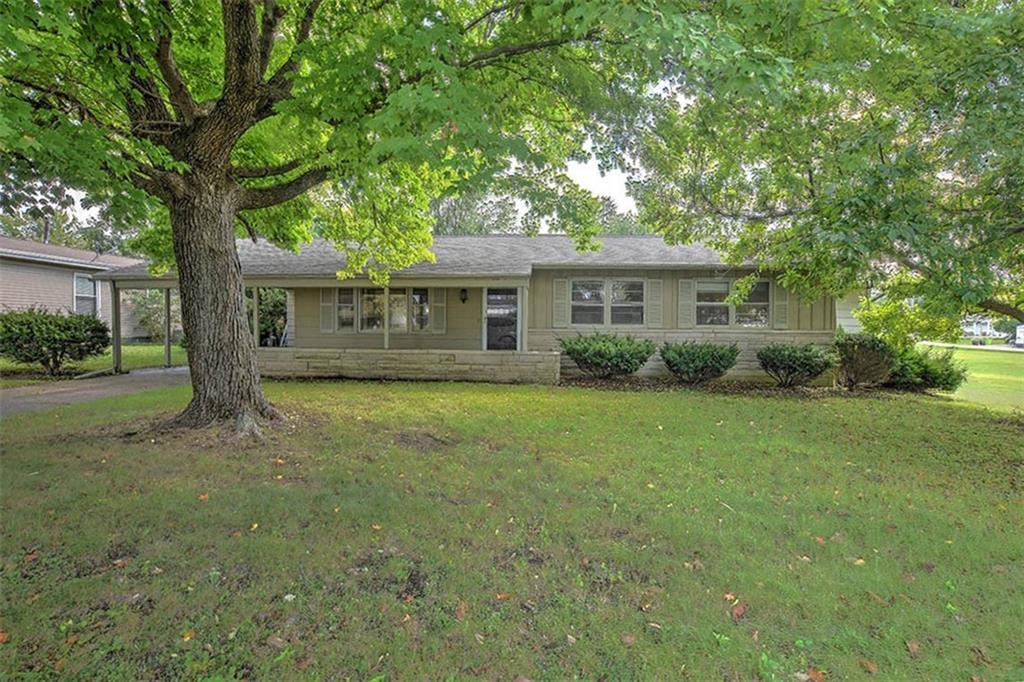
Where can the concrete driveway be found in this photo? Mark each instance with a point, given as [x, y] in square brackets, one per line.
[51, 394]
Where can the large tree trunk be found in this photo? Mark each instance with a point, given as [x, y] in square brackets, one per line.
[221, 350]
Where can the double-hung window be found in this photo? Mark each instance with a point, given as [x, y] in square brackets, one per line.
[711, 306]
[86, 295]
[371, 310]
[618, 302]
[714, 311]
[754, 311]
[419, 310]
[588, 301]
[627, 301]
[346, 310]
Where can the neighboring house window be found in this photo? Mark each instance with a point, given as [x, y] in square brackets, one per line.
[588, 301]
[754, 312]
[86, 295]
[399, 315]
[346, 310]
[627, 301]
[713, 311]
[419, 305]
[598, 301]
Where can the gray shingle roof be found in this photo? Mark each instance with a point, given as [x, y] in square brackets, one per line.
[497, 255]
[25, 249]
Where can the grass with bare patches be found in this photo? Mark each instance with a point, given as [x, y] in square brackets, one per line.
[405, 531]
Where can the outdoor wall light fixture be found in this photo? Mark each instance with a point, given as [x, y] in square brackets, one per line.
[463, 295]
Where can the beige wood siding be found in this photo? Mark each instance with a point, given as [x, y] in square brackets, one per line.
[24, 285]
[463, 326]
[808, 322]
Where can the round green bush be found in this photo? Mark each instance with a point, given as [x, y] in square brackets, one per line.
[51, 339]
[916, 370]
[694, 363]
[607, 355]
[863, 359]
[793, 365]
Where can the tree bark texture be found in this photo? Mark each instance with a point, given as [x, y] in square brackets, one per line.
[221, 349]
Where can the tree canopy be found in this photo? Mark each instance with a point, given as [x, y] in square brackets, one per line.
[895, 159]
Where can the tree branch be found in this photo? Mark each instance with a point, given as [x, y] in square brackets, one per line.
[242, 56]
[280, 82]
[272, 14]
[497, 9]
[482, 58]
[265, 171]
[1003, 308]
[181, 98]
[264, 197]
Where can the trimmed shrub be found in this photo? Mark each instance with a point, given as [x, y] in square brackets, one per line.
[51, 339]
[916, 370]
[863, 359]
[608, 355]
[792, 365]
[695, 363]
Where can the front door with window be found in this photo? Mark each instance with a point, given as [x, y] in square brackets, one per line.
[501, 310]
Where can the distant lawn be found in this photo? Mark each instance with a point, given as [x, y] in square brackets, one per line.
[994, 379]
[396, 531]
[133, 356]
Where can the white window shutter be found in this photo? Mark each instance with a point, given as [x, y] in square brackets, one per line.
[328, 310]
[780, 303]
[560, 311]
[439, 310]
[686, 304]
[654, 305]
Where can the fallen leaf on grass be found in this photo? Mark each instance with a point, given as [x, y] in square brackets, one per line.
[376, 526]
[820, 540]
[460, 610]
[729, 596]
[913, 647]
[203, 497]
[501, 596]
[5, 637]
[188, 635]
[815, 675]
[870, 666]
[738, 612]
[629, 640]
[276, 642]
[570, 639]
[32, 556]
[859, 561]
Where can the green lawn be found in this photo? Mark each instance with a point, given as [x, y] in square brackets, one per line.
[413, 530]
[134, 356]
[994, 379]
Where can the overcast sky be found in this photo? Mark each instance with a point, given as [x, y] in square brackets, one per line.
[611, 184]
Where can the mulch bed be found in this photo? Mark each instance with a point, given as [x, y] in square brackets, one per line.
[747, 388]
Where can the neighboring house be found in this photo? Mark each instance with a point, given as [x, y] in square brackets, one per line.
[59, 278]
[494, 307]
[978, 325]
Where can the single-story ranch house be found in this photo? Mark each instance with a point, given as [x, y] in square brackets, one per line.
[492, 308]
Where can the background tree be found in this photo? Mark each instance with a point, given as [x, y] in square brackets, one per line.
[896, 153]
[475, 213]
[208, 119]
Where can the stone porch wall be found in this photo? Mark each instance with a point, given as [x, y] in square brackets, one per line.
[509, 367]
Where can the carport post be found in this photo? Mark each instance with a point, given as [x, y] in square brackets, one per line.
[167, 327]
[115, 324]
[256, 315]
[387, 318]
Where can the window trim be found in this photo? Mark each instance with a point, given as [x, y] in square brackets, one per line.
[732, 307]
[606, 317]
[429, 327]
[75, 296]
